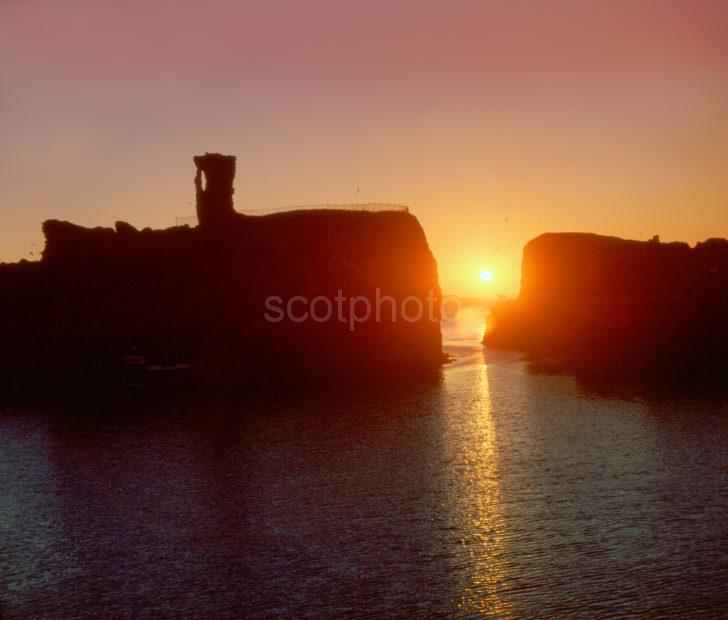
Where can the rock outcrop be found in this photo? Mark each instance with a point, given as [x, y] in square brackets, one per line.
[199, 295]
[603, 306]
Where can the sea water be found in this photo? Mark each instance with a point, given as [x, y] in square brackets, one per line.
[489, 492]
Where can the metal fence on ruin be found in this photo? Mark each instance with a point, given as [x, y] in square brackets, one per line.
[191, 220]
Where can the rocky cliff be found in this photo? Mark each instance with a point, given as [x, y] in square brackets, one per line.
[606, 306]
[200, 295]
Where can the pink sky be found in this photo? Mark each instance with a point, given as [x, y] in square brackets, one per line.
[607, 116]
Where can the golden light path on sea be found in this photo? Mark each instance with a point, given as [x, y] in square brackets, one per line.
[475, 498]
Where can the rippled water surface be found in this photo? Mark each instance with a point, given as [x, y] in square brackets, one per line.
[493, 492]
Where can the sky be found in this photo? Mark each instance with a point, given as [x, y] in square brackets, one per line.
[495, 120]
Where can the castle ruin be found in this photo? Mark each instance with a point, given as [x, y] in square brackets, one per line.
[215, 190]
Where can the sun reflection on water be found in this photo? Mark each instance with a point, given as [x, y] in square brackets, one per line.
[476, 499]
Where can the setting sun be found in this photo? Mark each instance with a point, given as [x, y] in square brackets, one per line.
[486, 276]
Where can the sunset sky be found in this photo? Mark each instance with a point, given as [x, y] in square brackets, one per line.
[495, 120]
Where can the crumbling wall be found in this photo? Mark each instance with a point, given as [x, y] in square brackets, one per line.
[214, 188]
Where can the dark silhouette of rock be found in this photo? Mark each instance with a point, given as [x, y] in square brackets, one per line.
[214, 188]
[607, 307]
[198, 296]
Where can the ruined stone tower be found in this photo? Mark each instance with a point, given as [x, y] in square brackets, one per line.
[215, 193]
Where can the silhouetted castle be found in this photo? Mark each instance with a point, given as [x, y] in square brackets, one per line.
[215, 195]
[197, 296]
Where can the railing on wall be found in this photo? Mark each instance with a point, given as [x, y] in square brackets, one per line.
[191, 220]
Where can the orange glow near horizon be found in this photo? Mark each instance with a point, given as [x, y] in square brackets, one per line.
[494, 121]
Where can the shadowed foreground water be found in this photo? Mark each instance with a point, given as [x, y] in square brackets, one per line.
[493, 492]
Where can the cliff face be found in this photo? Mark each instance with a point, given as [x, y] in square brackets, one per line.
[201, 296]
[602, 305]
